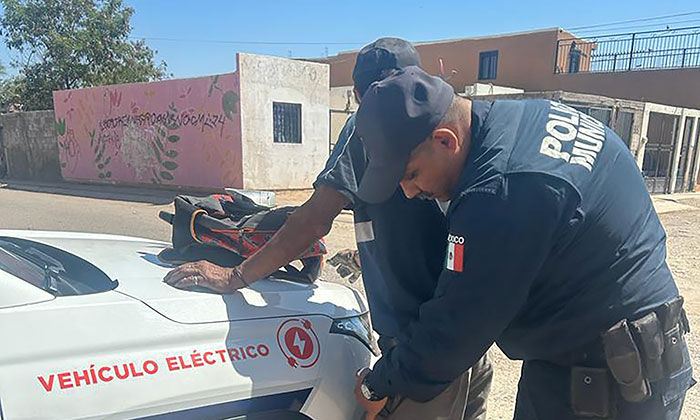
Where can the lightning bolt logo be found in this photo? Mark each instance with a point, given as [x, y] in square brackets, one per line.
[299, 343]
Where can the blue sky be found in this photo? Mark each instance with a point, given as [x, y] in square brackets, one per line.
[313, 28]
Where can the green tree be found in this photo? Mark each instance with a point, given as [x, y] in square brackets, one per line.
[69, 44]
[8, 90]
[9, 94]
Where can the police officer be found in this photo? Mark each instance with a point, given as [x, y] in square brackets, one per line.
[397, 277]
[554, 252]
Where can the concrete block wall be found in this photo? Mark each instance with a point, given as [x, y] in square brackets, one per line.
[30, 146]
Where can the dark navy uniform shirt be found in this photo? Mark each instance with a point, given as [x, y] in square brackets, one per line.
[401, 241]
[552, 239]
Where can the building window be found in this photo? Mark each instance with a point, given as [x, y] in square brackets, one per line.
[488, 65]
[286, 122]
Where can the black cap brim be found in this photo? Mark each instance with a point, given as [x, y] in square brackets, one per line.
[380, 180]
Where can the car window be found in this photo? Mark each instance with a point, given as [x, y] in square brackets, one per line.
[21, 268]
[51, 269]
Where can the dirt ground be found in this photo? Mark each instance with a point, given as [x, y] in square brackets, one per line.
[683, 230]
[681, 218]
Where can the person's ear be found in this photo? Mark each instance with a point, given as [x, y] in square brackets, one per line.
[445, 138]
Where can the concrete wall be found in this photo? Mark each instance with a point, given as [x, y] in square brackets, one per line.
[183, 132]
[489, 89]
[343, 104]
[678, 87]
[29, 140]
[264, 80]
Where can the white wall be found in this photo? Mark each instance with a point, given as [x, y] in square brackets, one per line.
[342, 106]
[488, 89]
[264, 80]
[342, 99]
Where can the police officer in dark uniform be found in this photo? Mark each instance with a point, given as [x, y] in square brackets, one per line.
[554, 252]
[400, 243]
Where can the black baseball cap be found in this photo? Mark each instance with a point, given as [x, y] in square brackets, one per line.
[379, 56]
[396, 115]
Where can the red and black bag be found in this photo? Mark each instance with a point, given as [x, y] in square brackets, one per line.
[226, 229]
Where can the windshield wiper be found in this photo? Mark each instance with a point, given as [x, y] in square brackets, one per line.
[55, 270]
[52, 267]
[33, 255]
[50, 279]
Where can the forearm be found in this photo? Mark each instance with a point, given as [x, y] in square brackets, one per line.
[308, 223]
[288, 243]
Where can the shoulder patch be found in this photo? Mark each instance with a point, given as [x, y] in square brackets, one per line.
[455, 253]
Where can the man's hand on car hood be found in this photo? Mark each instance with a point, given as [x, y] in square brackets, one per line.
[205, 274]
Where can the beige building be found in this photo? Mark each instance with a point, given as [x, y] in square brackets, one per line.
[644, 85]
[539, 61]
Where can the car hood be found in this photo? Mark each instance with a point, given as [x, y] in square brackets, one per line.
[133, 262]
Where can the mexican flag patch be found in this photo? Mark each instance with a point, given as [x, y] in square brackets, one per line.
[455, 253]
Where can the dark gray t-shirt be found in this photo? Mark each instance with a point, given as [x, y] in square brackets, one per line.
[401, 241]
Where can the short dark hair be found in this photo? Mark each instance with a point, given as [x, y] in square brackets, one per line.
[455, 113]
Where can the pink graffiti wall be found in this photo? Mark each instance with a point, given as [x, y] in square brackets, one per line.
[183, 132]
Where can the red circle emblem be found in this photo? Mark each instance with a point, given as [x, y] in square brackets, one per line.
[298, 342]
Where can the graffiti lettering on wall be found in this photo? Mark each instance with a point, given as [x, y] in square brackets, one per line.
[167, 119]
[163, 133]
[146, 144]
[271, 70]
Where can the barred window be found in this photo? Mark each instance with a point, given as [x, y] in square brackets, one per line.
[287, 122]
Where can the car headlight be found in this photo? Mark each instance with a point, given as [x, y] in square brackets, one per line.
[358, 327]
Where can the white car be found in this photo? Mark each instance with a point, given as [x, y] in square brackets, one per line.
[88, 330]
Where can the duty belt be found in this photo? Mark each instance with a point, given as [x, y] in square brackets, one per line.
[633, 354]
[649, 334]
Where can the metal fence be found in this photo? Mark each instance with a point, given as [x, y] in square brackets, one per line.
[666, 49]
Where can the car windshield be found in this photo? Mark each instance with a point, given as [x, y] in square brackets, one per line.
[21, 268]
[51, 269]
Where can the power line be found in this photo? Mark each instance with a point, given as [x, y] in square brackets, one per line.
[670, 26]
[636, 20]
[221, 41]
[594, 32]
[613, 26]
